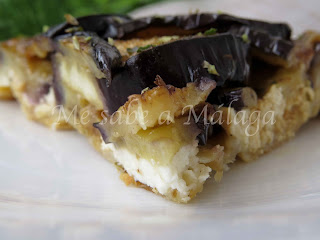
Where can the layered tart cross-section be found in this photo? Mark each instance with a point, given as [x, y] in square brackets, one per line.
[170, 100]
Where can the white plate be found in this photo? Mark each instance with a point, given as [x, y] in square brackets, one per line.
[53, 185]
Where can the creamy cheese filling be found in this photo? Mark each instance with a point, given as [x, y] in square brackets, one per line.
[4, 80]
[184, 174]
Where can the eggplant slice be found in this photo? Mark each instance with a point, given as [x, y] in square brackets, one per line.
[178, 63]
[104, 25]
[268, 38]
[142, 27]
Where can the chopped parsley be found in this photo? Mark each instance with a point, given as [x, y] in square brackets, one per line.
[245, 38]
[166, 39]
[110, 41]
[87, 39]
[74, 29]
[211, 31]
[139, 49]
[45, 28]
[210, 67]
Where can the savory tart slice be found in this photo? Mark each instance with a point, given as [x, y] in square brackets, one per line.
[147, 135]
[172, 99]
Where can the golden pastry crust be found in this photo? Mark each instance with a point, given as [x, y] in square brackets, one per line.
[28, 70]
[291, 99]
[5, 93]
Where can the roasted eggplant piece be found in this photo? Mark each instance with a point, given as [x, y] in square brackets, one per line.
[123, 27]
[207, 131]
[267, 38]
[178, 63]
[104, 25]
[274, 50]
[169, 25]
[78, 54]
[236, 98]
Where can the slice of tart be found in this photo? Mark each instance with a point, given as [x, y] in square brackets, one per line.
[174, 99]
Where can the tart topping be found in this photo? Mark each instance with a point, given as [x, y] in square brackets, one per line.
[178, 62]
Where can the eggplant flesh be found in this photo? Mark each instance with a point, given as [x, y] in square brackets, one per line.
[96, 59]
[178, 63]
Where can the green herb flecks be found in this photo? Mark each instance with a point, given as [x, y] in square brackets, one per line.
[245, 38]
[211, 31]
[139, 49]
[87, 39]
[110, 41]
[210, 67]
[166, 39]
[45, 28]
[74, 29]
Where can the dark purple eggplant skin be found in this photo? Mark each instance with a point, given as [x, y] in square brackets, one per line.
[236, 98]
[122, 26]
[102, 130]
[275, 46]
[222, 22]
[269, 38]
[106, 56]
[178, 63]
[281, 30]
[181, 61]
[207, 130]
[104, 25]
